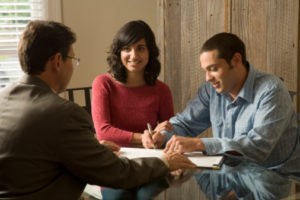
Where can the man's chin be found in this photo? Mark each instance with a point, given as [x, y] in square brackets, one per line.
[219, 90]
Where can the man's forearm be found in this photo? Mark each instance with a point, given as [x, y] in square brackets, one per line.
[199, 145]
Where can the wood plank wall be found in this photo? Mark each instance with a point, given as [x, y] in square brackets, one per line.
[269, 28]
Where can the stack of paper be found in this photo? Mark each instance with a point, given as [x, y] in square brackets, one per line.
[197, 158]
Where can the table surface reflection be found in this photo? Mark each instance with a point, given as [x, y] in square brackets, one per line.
[236, 179]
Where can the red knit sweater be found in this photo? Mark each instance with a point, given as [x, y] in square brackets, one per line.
[119, 111]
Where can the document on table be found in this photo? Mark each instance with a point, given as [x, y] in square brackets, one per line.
[93, 191]
[196, 157]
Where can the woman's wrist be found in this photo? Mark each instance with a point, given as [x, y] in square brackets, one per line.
[136, 139]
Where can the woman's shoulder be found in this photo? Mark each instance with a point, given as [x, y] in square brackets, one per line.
[103, 79]
[161, 85]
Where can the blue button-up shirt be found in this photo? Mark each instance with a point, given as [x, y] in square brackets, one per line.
[260, 123]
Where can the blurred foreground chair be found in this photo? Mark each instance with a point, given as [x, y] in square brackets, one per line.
[87, 96]
[296, 188]
[293, 94]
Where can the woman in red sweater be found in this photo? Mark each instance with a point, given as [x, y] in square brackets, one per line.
[129, 96]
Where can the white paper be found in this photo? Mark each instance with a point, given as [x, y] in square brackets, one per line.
[196, 157]
[92, 190]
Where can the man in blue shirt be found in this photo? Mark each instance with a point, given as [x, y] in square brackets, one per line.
[251, 113]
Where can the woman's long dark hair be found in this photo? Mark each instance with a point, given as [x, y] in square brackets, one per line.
[129, 34]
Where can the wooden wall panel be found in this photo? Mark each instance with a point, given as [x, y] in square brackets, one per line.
[186, 25]
[256, 39]
[160, 37]
[198, 20]
[270, 30]
[190, 42]
[249, 23]
[297, 100]
[172, 53]
[282, 31]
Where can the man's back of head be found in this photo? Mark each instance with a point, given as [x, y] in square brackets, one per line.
[40, 41]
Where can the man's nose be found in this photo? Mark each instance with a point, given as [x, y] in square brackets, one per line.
[208, 77]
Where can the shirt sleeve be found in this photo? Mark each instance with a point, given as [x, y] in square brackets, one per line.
[272, 118]
[102, 115]
[195, 118]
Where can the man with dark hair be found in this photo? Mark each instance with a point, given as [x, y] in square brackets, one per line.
[47, 147]
[251, 113]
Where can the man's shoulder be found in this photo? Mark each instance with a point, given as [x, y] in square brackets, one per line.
[45, 101]
[266, 81]
[63, 112]
[64, 106]
[267, 85]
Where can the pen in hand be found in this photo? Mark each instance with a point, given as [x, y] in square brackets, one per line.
[150, 131]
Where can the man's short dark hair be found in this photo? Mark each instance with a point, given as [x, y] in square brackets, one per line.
[226, 44]
[40, 41]
[129, 34]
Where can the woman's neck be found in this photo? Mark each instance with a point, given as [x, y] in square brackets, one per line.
[135, 79]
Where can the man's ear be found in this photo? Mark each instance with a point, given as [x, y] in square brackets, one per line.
[236, 59]
[56, 60]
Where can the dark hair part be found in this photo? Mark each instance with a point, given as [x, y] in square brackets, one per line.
[40, 41]
[129, 34]
[226, 44]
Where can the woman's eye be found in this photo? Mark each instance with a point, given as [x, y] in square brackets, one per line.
[125, 49]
